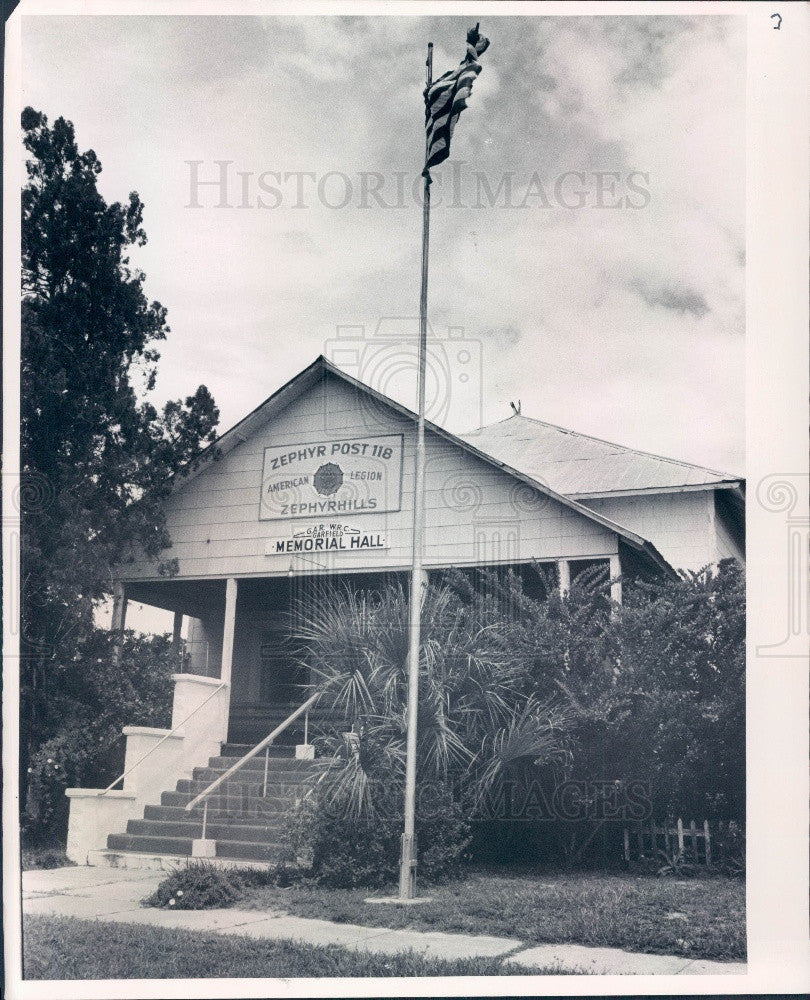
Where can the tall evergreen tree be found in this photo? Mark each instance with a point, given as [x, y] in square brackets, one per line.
[96, 456]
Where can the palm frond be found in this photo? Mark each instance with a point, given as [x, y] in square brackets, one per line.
[535, 736]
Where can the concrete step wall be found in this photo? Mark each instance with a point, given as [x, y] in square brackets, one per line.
[244, 823]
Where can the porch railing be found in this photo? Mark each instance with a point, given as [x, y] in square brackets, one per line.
[264, 745]
[184, 654]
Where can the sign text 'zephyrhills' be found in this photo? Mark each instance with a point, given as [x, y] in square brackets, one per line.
[327, 538]
[326, 478]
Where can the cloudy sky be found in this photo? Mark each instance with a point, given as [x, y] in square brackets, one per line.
[604, 287]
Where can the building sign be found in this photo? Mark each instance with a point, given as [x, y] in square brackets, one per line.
[327, 538]
[328, 478]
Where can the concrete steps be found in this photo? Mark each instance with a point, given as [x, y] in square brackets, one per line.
[235, 751]
[138, 861]
[181, 847]
[167, 814]
[246, 825]
[232, 802]
[256, 833]
[277, 784]
[278, 765]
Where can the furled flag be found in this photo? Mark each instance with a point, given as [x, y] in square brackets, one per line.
[447, 98]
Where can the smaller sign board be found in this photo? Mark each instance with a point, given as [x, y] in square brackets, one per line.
[334, 537]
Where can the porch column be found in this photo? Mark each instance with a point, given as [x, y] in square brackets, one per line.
[564, 573]
[119, 617]
[228, 631]
[177, 629]
[616, 585]
[177, 640]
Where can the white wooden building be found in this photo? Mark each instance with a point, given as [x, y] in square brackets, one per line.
[318, 482]
[694, 516]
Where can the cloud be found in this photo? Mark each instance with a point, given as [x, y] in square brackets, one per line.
[680, 300]
[300, 240]
[623, 318]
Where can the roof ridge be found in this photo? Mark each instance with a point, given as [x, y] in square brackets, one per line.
[194, 467]
[613, 444]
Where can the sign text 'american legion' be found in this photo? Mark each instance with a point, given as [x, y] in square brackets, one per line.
[354, 476]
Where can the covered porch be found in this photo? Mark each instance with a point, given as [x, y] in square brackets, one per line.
[241, 675]
[247, 631]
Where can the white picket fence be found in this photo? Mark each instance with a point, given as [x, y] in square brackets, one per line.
[691, 843]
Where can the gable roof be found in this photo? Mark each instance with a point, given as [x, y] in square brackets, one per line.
[322, 367]
[581, 466]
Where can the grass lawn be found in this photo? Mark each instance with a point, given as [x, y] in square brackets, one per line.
[699, 918]
[67, 948]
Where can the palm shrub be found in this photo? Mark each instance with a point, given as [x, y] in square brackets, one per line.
[473, 713]
[654, 687]
[519, 694]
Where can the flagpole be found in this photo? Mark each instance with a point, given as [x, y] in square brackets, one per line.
[407, 871]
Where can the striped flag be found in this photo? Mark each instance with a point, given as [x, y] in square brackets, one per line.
[447, 98]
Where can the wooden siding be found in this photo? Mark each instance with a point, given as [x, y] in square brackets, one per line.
[680, 525]
[727, 545]
[475, 513]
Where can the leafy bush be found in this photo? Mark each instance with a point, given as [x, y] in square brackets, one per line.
[96, 701]
[201, 885]
[343, 850]
[65, 761]
[443, 837]
[198, 886]
[350, 854]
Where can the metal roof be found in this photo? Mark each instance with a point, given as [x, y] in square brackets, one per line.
[581, 466]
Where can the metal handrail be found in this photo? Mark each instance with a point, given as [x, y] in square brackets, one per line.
[179, 725]
[251, 754]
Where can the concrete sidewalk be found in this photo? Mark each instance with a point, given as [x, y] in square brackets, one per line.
[109, 894]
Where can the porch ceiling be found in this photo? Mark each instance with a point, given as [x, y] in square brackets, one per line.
[199, 598]
[195, 598]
